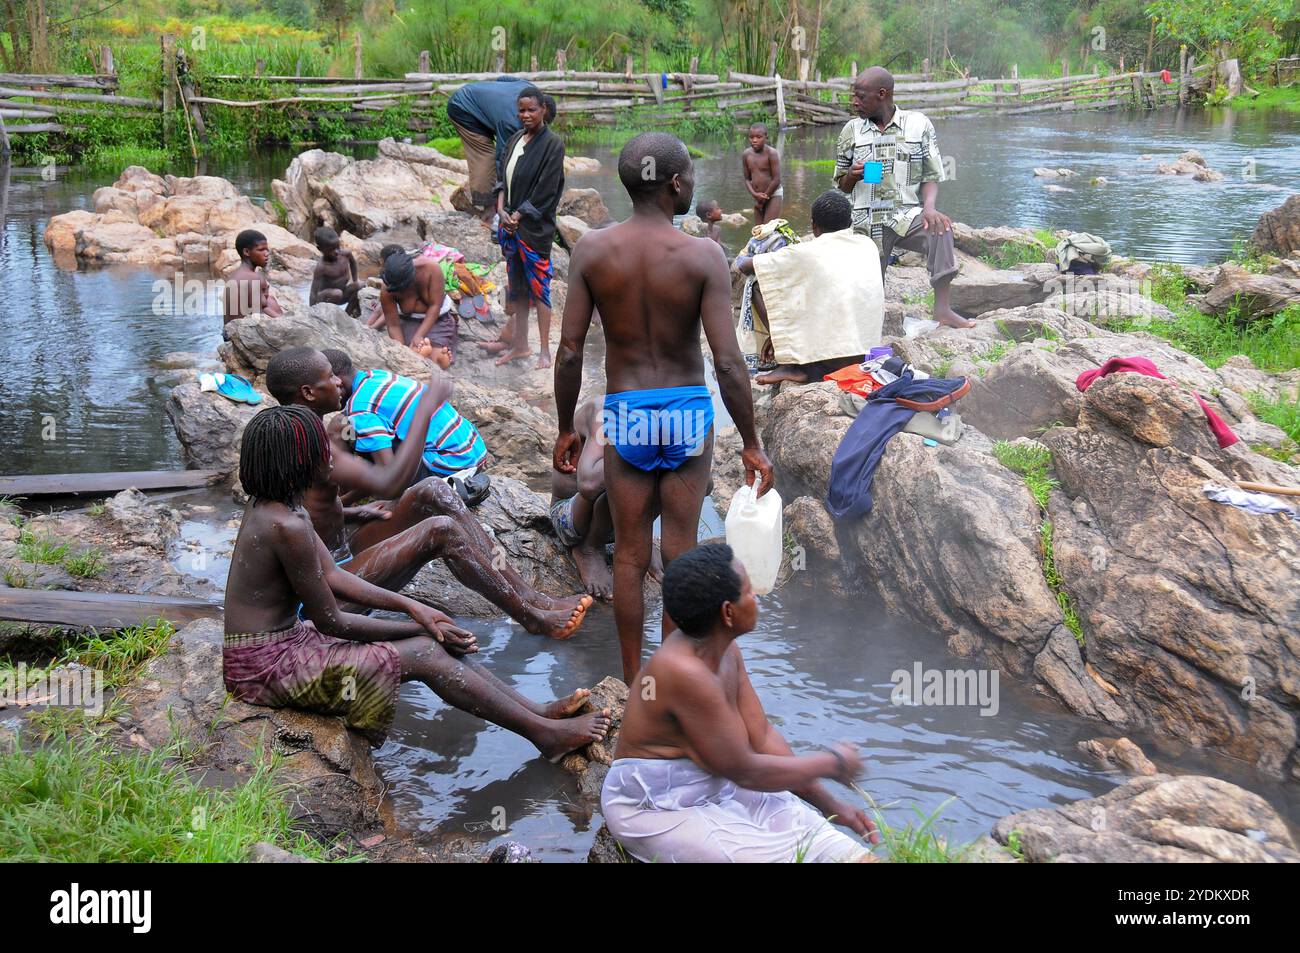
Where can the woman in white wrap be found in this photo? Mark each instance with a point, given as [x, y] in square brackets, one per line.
[699, 774]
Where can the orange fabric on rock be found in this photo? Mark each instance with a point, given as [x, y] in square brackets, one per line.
[854, 380]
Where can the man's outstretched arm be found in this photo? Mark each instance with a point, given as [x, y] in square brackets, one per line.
[729, 365]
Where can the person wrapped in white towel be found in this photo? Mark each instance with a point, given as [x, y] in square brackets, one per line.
[699, 774]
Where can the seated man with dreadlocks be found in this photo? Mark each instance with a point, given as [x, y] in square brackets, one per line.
[341, 663]
[417, 523]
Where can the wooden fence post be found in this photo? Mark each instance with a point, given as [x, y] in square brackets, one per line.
[356, 55]
[561, 60]
[771, 59]
[168, 86]
[1065, 66]
[780, 102]
[1182, 74]
[627, 67]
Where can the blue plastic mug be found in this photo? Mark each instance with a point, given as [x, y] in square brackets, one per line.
[873, 172]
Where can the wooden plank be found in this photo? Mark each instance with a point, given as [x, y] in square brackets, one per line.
[36, 127]
[13, 91]
[83, 82]
[75, 484]
[102, 610]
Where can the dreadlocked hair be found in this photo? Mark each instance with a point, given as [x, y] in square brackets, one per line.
[282, 451]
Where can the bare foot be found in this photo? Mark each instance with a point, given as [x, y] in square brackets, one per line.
[565, 707]
[656, 570]
[513, 356]
[494, 347]
[558, 623]
[595, 572]
[563, 735]
[542, 601]
[952, 319]
[782, 374]
[442, 357]
[544, 359]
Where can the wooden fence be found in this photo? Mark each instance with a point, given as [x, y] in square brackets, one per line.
[45, 104]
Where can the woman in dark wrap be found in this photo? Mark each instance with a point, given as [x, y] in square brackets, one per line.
[530, 181]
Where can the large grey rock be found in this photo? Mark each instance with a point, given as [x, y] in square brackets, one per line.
[301, 186]
[180, 698]
[585, 204]
[1278, 230]
[977, 292]
[989, 241]
[1160, 819]
[1252, 296]
[372, 195]
[421, 155]
[1190, 608]
[209, 427]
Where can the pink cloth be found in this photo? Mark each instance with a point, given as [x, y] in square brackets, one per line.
[1140, 365]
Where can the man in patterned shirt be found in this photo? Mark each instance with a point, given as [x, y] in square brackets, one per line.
[888, 161]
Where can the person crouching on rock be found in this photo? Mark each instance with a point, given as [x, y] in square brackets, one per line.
[247, 291]
[580, 506]
[387, 543]
[700, 775]
[414, 301]
[341, 662]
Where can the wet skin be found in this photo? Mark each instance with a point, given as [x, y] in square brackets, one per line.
[656, 289]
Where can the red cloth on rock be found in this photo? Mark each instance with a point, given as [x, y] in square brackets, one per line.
[1140, 365]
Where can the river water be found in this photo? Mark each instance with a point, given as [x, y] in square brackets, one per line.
[82, 391]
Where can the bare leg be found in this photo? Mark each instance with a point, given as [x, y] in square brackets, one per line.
[433, 497]
[393, 563]
[681, 496]
[465, 687]
[943, 312]
[773, 209]
[564, 707]
[632, 494]
[783, 373]
[593, 520]
[544, 332]
[519, 333]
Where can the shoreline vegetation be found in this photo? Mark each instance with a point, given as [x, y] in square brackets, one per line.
[338, 37]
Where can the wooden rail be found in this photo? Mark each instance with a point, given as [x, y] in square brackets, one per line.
[100, 610]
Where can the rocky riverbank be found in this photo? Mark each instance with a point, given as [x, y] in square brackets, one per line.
[1162, 611]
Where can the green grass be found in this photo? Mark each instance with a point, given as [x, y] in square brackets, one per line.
[75, 799]
[1033, 462]
[994, 352]
[95, 509]
[448, 146]
[17, 577]
[120, 654]
[1010, 254]
[820, 165]
[115, 158]
[87, 564]
[916, 842]
[1275, 97]
[1280, 412]
[1272, 344]
[40, 549]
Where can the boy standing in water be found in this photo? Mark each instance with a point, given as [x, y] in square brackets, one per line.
[656, 287]
[335, 278]
[762, 165]
[247, 290]
[343, 663]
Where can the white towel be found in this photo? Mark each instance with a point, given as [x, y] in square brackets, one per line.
[673, 811]
[824, 297]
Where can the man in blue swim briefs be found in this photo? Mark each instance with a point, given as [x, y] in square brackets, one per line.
[655, 287]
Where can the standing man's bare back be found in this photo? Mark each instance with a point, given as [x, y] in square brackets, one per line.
[655, 288]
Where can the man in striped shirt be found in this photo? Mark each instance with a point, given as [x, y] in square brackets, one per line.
[381, 404]
[387, 543]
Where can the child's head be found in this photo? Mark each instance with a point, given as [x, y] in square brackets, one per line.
[709, 210]
[251, 247]
[387, 251]
[327, 240]
[283, 452]
[757, 136]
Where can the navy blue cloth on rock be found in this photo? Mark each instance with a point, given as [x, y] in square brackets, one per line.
[854, 465]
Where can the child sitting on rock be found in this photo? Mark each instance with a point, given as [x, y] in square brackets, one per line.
[335, 279]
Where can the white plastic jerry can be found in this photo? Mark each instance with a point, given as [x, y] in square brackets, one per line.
[755, 534]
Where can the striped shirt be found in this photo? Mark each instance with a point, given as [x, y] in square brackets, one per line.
[908, 151]
[381, 408]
